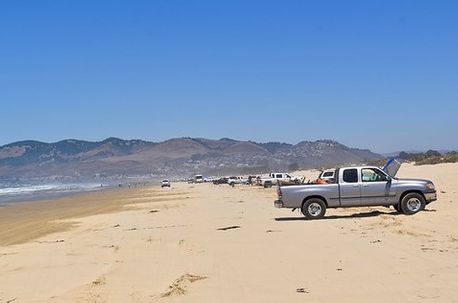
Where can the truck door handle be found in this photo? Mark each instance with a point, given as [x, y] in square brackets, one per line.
[355, 186]
[367, 185]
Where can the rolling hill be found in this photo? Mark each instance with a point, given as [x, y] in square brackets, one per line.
[174, 157]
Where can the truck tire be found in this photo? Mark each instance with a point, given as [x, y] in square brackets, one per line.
[412, 203]
[267, 184]
[397, 208]
[313, 208]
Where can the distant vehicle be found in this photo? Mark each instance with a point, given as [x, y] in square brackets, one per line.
[276, 178]
[165, 183]
[198, 179]
[232, 180]
[208, 179]
[237, 180]
[222, 180]
[253, 179]
[359, 186]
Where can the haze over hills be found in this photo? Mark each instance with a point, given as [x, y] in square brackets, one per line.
[179, 157]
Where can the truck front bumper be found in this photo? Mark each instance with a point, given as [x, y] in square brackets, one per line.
[279, 204]
[430, 196]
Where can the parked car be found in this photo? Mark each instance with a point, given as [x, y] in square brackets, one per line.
[359, 186]
[253, 180]
[198, 179]
[222, 180]
[165, 183]
[276, 178]
[232, 180]
[237, 180]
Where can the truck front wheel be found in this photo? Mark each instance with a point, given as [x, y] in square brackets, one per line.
[267, 184]
[412, 203]
[313, 208]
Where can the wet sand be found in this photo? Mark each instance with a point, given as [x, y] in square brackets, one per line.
[21, 222]
[206, 243]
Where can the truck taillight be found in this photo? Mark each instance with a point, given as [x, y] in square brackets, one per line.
[279, 191]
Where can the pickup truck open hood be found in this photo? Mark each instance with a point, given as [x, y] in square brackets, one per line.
[392, 167]
[410, 180]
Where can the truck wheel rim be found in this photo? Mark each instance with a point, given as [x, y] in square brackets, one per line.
[413, 204]
[314, 209]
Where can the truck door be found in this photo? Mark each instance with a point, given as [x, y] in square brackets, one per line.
[376, 187]
[350, 188]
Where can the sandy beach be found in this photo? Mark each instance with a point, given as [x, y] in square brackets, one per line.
[207, 243]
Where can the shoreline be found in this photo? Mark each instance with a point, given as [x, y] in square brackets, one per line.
[62, 193]
[37, 218]
[25, 198]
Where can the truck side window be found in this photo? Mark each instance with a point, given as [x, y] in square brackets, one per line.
[350, 175]
[279, 176]
[372, 175]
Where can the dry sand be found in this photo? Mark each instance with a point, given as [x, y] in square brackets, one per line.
[207, 243]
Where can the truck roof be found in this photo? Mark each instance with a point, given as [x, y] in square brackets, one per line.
[360, 166]
[391, 167]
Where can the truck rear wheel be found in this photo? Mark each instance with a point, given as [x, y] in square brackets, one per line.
[313, 208]
[412, 203]
[267, 184]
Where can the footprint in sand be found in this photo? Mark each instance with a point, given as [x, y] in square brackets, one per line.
[8, 254]
[180, 285]
[54, 241]
[151, 239]
[453, 239]
[273, 231]
[115, 247]
[99, 282]
[412, 233]
[229, 227]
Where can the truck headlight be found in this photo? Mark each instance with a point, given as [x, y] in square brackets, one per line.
[430, 186]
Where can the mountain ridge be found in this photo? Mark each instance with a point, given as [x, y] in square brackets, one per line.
[175, 156]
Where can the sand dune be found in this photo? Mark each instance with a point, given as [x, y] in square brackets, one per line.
[205, 243]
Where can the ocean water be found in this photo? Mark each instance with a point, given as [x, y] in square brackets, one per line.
[29, 192]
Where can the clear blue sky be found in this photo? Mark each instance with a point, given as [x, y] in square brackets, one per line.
[374, 74]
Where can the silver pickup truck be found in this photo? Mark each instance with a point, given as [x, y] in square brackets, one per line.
[359, 186]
